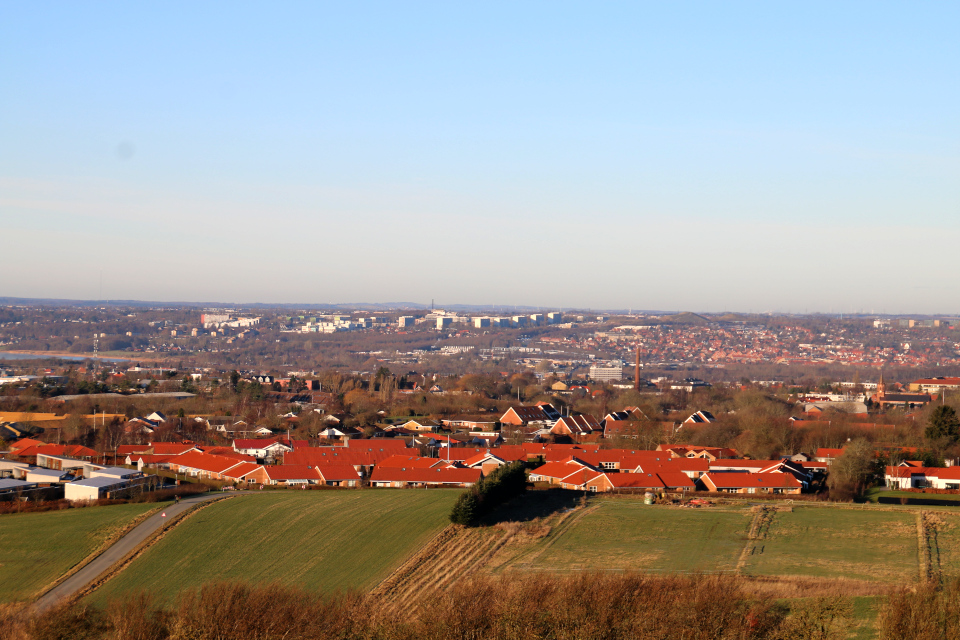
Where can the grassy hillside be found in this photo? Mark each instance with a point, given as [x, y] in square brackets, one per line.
[834, 543]
[628, 535]
[38, 548]
[319, 540]
[873, 545]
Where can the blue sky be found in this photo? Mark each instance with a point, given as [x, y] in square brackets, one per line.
[703, 156]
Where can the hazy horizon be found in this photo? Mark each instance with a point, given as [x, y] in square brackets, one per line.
[745, 156]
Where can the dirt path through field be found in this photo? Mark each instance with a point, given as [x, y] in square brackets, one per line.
[762, 519]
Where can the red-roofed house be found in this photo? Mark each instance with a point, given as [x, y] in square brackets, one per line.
[436, 477]
[576, 426]
[555, 472]
[486, 462]
[752, 483]
[289, 474]
[518, 416]
[29, 454]
[204, 465]
[639, 481]
[827, 455]
[338, 475]
[261, 447]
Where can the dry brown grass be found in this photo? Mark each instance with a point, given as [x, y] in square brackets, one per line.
[590, 606]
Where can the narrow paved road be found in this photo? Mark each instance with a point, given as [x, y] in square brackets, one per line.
[117, 551]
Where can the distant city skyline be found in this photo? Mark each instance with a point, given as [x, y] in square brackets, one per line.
[702, 157]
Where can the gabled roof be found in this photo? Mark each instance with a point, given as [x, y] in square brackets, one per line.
[746, 480]
[23, 443]
[675, 480]
[204, 462]
[171, 448]
[148, 459]
[344, 455]
[337, 472]
[634, 480]
[828, 453]
[481, 458]
[377, 444]
[65, 450]
[576, 425]
[678, 465]
[242, 470]
[559, 470]
[259, 443]
[412, 462]
[285, 472]
[438, 475]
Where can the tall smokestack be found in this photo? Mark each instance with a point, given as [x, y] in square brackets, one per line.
[636, 369]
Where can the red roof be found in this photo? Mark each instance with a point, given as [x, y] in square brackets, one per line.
[828, 453]
[171, 448]
[242, 469]
[675, 480]
[557, 470]
[335, 472]
[229, 452]
[635, 480]
[23, 443]
[127, 449]
[410, 462]
[438, 475]
[343, 455]
[744, 480]
[256, 443]
[285, 472]
[148, 459]
[61, 450]
[377, 444]
[204, 462]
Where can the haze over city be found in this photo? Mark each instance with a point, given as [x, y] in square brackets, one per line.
[743, 156]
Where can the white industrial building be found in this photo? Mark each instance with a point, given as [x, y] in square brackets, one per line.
[92, 488]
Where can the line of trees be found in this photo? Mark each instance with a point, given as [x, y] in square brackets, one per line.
[504, 483]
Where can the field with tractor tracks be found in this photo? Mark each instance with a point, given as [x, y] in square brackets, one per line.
[320, 540]
[36, 549]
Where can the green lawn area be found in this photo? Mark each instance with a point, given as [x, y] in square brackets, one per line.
[37, 548]
[875, 493]
[320, 540]
[628, 535]
[852, 543]
[948, 541]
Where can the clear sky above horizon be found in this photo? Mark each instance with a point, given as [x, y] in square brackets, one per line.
[700, 156]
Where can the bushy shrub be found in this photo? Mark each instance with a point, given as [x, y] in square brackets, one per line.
[503, 483]
[589, 606]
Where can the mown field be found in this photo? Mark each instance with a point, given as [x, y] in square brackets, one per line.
[318, 540]
[37, 548]
[628, 535]
[827, 542]
[873, 544]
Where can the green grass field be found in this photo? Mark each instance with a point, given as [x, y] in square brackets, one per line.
[37, 548]
[628, 535]
[816, 542]
[874, 494]
[833, 543]
[321, 540]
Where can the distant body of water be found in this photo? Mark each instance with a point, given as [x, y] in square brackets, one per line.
[37, 356]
